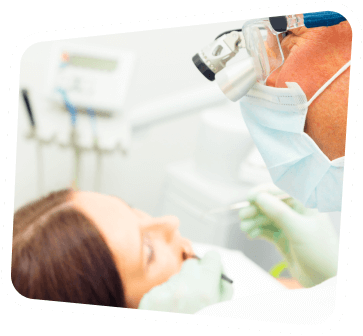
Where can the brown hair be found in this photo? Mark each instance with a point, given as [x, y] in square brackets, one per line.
[59, 255]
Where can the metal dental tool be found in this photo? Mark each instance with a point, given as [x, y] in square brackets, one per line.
[241, 205]
[39, 148]
[28, 107]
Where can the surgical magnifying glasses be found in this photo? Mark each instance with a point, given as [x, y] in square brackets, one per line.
[262, 40]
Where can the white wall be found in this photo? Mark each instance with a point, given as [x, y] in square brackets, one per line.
[163, 67]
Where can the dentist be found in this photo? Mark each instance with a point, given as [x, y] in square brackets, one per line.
[296, 112]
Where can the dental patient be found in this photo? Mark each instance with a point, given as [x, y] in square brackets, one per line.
[85, 247]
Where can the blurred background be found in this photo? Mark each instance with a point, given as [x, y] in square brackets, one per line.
[130, 115]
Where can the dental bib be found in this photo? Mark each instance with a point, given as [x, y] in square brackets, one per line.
[275, 118]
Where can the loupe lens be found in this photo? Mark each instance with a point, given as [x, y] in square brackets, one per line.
[203, 68]
[263, 45]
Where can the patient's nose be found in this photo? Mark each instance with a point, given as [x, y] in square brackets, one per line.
[187, 249]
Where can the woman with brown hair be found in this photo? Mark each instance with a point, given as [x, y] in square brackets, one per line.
[85, 247]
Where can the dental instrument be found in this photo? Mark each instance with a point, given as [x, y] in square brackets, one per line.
[305, 238]
[224, 277]
[241, 205]
[28, 106]
[39, 147]
[261, 38]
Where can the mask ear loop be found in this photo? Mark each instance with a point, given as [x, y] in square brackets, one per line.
[317, 93]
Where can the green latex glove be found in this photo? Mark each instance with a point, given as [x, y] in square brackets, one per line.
[197, 285]
[306, 238]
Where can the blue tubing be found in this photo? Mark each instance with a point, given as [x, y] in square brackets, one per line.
[322, 19]
[72, 110]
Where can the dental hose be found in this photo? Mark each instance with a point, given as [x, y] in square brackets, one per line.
[77, 152]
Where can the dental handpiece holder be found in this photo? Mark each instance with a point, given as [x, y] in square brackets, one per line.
[66, 127]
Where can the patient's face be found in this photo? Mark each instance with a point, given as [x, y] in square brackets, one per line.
[147, 251]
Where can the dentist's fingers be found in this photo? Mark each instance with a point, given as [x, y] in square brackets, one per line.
[273, 190]
[249, 224]
[212, 262]
[248, 212]
[279, 212]
[254, 233]
[268, 232]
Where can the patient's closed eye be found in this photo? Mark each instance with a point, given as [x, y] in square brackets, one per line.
[150, 250]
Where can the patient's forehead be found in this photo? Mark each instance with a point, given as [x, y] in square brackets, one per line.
[107, 212]
[95, 198]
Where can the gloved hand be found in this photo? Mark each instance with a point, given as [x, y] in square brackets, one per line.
[197, 285]
[305, 237]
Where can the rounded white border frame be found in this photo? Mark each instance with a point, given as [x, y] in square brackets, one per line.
[164, 24]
